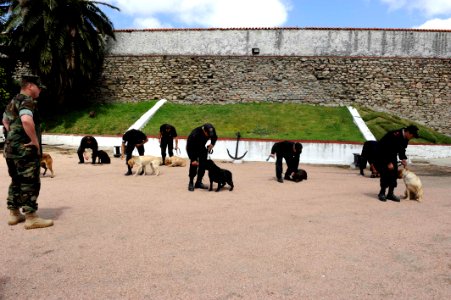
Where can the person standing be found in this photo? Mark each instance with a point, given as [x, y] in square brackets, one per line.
[392, 145]
[85, 143]
[23, 150]
[290, 151]
[198, 153]
[166, 137]
[130, 140]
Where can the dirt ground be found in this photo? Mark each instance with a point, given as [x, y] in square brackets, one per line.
[148, 237]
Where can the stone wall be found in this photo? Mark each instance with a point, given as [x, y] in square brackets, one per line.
[413, 88]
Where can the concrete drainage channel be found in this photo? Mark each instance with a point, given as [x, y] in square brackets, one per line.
[327, 153]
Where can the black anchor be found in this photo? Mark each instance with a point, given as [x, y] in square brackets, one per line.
[238, 136]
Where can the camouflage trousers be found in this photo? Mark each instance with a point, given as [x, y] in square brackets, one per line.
[25, 183]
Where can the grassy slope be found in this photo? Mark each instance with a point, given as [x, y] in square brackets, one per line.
[252, 120]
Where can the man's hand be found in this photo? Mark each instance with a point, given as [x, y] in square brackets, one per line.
[209, 147]
[30, 144]
[390, 166]
[272, 155]
[122, 156]
[404, 163]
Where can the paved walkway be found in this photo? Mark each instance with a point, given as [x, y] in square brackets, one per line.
[147, 237]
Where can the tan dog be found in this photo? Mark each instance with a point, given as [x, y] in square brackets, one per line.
[414, 188]
[47, 163]
[174, 161]
[143, 161]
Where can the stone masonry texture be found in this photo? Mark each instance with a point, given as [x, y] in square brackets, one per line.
[413, 88]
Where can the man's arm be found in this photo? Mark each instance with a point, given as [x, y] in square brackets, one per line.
[30, 130]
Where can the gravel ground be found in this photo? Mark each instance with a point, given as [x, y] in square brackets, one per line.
[147, 237]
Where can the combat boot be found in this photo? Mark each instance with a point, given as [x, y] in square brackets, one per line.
[391, 195]
[33, 221]
[15, 217]
[381, 195]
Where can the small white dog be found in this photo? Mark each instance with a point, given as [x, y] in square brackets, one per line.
[143, 161]
[414, 188]
[174, 161]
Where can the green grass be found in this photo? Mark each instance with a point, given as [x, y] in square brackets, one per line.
[379, 123]
[110, 119]
[260, 121]
[253, 120]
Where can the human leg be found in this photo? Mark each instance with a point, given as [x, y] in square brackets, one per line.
[279, 167]
[13, 199]
[392, 178]
[80, 152]
[163, 147]
[203, 154]
[27, 171]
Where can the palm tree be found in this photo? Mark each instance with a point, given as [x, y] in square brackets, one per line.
[63, 41]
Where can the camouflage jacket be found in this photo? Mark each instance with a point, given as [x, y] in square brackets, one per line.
[17, 137]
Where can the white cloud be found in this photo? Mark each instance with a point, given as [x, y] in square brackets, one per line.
[206, 13]
[436, 24]
[427, 7]
[143, 23]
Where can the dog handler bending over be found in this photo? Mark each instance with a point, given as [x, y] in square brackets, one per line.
[87, 142]
[392, 145]
[131, 139]
[198, 153]
[23, 154]
[166, 136]
[290, 151]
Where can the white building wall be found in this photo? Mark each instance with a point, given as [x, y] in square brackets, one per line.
[285, 42]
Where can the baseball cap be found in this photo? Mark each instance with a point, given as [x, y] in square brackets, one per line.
[33, 79]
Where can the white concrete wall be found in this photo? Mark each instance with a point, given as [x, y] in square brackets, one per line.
[288, 41]
[313, 153]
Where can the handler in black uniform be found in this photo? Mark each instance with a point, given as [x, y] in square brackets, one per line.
[197, 153]
[131, 139]
[87, 142]
[392, 145]
[166, 137]
[290, 151]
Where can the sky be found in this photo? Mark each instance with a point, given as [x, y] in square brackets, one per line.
[150, 14]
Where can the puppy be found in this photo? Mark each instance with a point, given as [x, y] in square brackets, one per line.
[143, 161]
[174, 161]
[216, 174]
[47, 163]
[414, 188]
[103, 157]
[299, 175]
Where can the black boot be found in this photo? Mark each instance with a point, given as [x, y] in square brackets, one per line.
[129, 172]
[200, 185]
[391, 195]
[191, 186]
[381, 195]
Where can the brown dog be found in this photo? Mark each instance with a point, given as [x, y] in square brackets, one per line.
[47, 163]
[414, 188]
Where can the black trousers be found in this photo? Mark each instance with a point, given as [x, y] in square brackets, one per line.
[388, 178]
[80, 152]
[290, 167]
[128, 153]
[199, 154]
[166, 143]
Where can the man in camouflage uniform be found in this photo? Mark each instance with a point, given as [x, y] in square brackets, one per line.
[23, 154]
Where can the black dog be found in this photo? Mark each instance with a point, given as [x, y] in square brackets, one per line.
[216, 174]
[299, 175]
[369, 154]
[103, 157]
